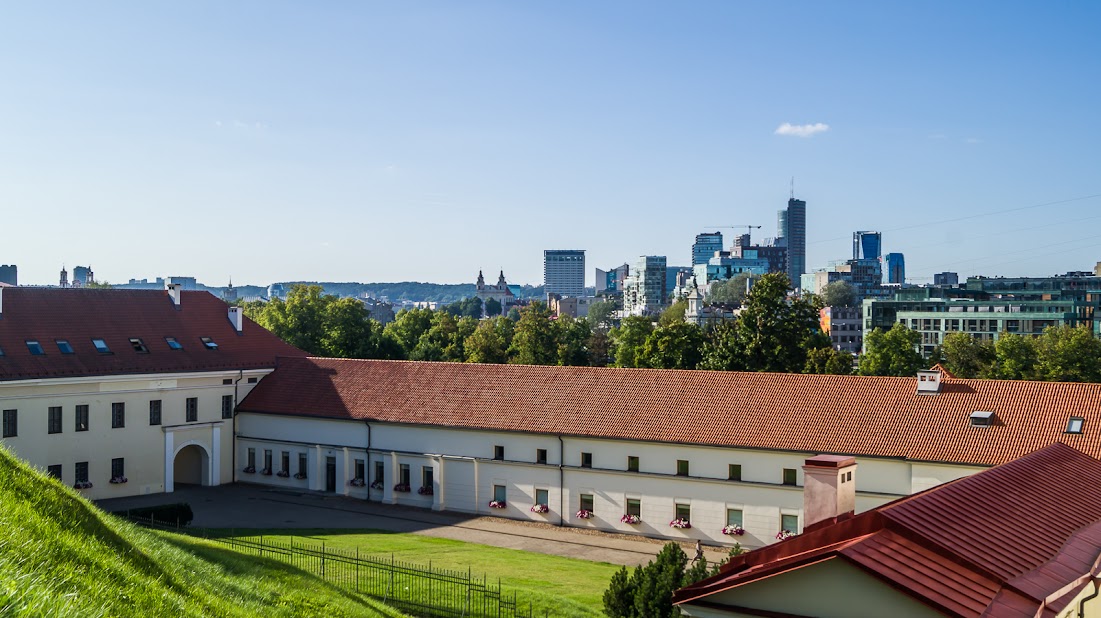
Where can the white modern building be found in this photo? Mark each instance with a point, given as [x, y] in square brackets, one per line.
[564, 272]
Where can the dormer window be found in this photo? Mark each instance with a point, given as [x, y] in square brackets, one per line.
[173, 344]
[138, 345]
[35, 347]
[1074, 425]
[64, 346]
[980, 418]
[101, 346]
[208, 343]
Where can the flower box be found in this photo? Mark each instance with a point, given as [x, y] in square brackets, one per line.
[117, 480]
[784, 535]
[681, 523]
[497, 504]
[376, 485]
[357, 482]
[540, 508]
[266, 472]
[403, 488]
[733, 530]
[283, 474]
[425, 491]
[82, 485]
[249, 470]
[630, 519]
[584, 514]
[300, 476]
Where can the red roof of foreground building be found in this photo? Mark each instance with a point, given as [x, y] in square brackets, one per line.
[853, 415]
[1015, 540]
[78, 316]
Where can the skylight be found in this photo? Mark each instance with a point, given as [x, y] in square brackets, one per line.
[982, 419]
[173, 344]
[35, 347]
[101, 346]
[138, 345]
[209, 343]
[64, 346]
[1074, 425]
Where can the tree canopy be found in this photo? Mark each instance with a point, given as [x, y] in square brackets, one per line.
[839, 294]
[891, 353]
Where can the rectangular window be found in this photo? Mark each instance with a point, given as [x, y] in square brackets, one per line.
[64, 346]
[35, 348]
[302, 465]
[251, 457]
[634, 507]
[586, 460]
[789, 523]
[173, 344]
[118, 415]
[227, 381]
[252, 380]
[734, 472]
[684, 511]
[82, 418]
[541, 456]
[285, 462]
[138, 345]
[81, 472]
[11, 423]
[403, 474]
[682, 467]
[586, 503]
[53, 422]
[155, 412]
[101, 346]
[734, 517]
[380, 471]
[542, 496]
[499, 493]
[632, 463]
[427, 477]
[498, 452]
[227, 406]
[191, 409]
[267, 459]
[789, 476]
[208, 343]
[1074, 425]
[118, 468]
[360, 469]
[54, 471]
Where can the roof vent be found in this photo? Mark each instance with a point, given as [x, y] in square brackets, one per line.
[174, 293]
[928, 382]
[980, 418]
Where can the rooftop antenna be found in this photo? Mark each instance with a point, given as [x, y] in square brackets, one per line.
[793, 187]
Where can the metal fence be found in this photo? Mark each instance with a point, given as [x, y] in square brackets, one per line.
[414, 589]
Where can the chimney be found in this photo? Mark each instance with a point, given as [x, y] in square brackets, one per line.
[237, 319]
[174, 292]
[829, 488]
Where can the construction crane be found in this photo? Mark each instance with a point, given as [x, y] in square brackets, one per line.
[748, 228]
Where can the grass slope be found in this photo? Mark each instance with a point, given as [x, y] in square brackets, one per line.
[565, 586]
[60, 556]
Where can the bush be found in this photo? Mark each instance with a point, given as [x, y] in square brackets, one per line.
[168, 514]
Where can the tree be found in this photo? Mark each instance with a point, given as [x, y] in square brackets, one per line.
[600, 348]
[891, 353]
[721, 349]
[493, 307]
[648, 592]
[600, 314]
[729, 292]
[839, 294]
[1069, 354]
[829, 361]
[572, 336]
[487, 344]
[673, 313]
[534, 341]
[470, 307]
[408, 327]
[967, 356]
[1016, 357]
[628, 339]
[676, 346]
[514, 314]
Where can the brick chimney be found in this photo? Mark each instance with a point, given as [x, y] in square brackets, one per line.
[829, 488]
[174, 292]
[237, 319]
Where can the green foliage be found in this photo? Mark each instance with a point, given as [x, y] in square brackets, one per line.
[409, 326]
[600, 348]
[674, 313]
[966, 356]
[490, 341]
[514, 314]
[829, 361]
[648, 591]
[1069, 354]
[573, 338]
[1016, 357]
[470, 307]
[721, 350]
[534, 342]
[98, 285]
[675, 346]
[628, 339]
[729, 292]
[891, 353]
[600, 314]
[493, 307]
[839, 294]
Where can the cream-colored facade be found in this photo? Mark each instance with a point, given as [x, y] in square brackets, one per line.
[464, 474]
[154, 457]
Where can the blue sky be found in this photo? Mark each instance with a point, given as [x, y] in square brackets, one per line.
[355, 141]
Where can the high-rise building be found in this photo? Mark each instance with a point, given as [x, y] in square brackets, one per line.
[705, 247]
[564, 272]
[644, 292]
[793, 235]
[611, 281]
[9, 274]
[946, 278]
[896, 268]
[82, 275]
[867, 245]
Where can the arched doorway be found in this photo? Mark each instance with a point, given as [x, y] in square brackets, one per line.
[191, 466]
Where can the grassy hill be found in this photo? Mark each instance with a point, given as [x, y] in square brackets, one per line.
[60, 556]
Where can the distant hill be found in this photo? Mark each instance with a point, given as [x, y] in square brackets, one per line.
[61, 556]
[406, 290]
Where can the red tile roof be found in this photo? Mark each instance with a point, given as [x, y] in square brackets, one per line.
[852, 415]
[1009, 541]
[116, 316]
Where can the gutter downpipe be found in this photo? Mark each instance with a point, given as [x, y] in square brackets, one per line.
[561, 482]
[367, 468]
[1082, 603]
[233, 438]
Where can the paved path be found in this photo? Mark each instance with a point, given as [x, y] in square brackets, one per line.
[248, 506]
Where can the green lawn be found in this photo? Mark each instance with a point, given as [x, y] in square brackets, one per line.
[564, 586]
[61, 556]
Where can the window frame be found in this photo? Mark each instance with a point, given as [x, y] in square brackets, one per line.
[11, 423]
[790, 474]
[250, 457]
[405, 475]
[683, 510]
[55, 420]
[227, 406]
[156, 411]
[633, 506]
[735, 517]
[191, 410]
[81, 472]
[586, 460]
[788, 517]
[101, 345]
[209, 343]
[64, 346]
[380, 471]
[83, 412]
[498, 452]
[1075, 424]
[118, 467]
[303, 463]
[632, 463]
[500, 493]
[35, 348]
[428, 476]
[118, 415]
[173, 343]
[683, 468]
[54, 471]
[541, 456]
[586, 502]
[285, 462]
[359, 469]
[138, 345]
[734, 472]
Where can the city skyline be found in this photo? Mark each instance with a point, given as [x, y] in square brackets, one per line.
[320, 146]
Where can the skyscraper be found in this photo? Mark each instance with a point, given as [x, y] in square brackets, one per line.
[896, 268]
[867, 245]
[564, 272]
[705, 247]
[793, 223]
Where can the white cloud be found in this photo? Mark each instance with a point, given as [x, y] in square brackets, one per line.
[801, 130]
[972, 140]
